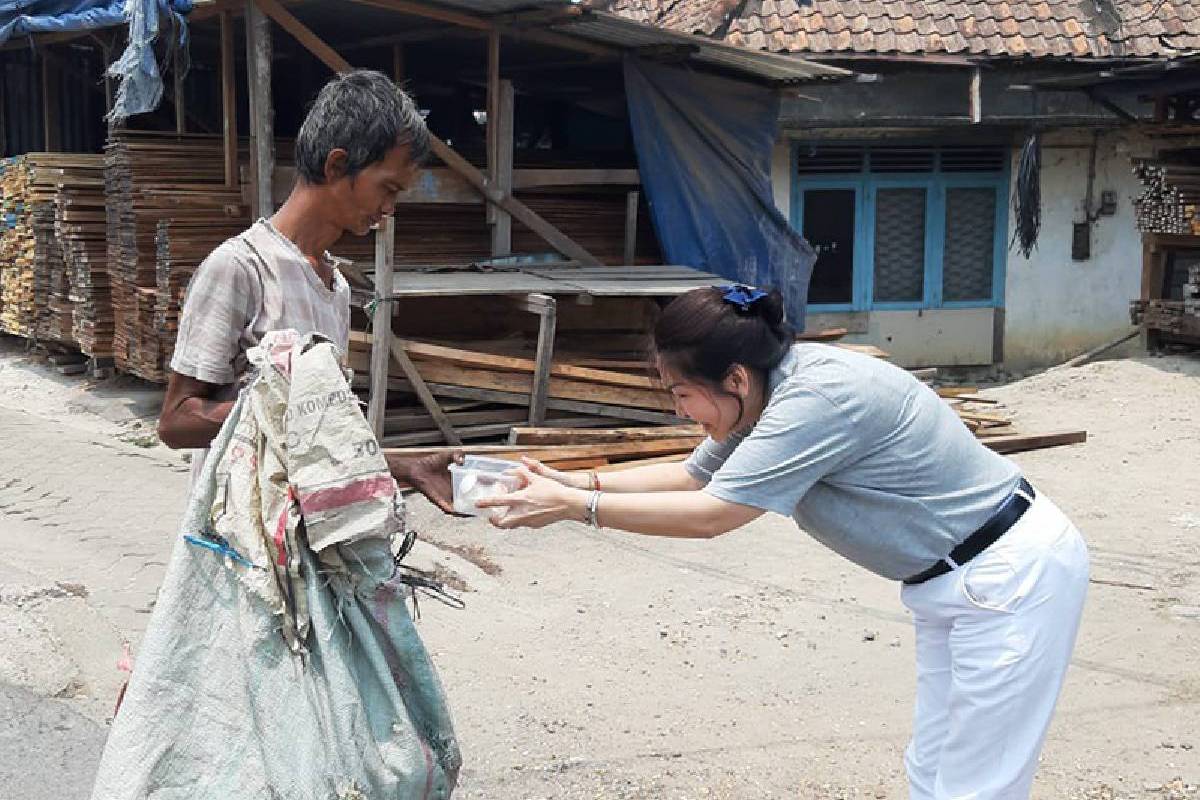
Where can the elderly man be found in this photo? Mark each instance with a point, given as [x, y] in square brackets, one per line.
[361, 144]
[285, 663]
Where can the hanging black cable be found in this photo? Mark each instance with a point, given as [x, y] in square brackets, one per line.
[1027, 201]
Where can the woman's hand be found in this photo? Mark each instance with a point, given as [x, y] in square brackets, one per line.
[540, 501]
[575, 480]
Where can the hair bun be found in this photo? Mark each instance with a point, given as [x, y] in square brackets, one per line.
[770, 308]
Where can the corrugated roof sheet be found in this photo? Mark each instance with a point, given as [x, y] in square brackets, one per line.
[1078, 29]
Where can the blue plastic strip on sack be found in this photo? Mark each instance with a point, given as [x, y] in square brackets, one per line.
[704, 146]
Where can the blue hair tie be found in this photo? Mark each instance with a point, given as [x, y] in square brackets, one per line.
[741, 295]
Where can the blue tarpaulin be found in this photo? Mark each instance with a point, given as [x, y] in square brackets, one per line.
[704, 147]
[140, 88]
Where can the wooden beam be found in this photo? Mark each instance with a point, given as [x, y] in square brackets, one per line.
[51, 123]
[548, 312]
[521, 212]
[631, 227]
[545, 435]
[492, 131]
[177, 68]
[262, 111]
[398, 67]
[538, 178]
[229, 100]
[503, 177]
[422, 391]
[559, 388]
[658, 447]
[430, 11]
[423, 351]
[381, 323]
[643, 462]
[412, 421]
[1018, 443]
[303, 34]
[975, 96]
[521, 399]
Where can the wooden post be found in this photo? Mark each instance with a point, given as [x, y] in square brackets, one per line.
[381, 322]
[398, 63]
[631, 227]
[521, 212]
[422, 391]
[976, 96]
[493, 112]
[177, 75]
[229, 100]
[502, 178]
[546, 308]
[106, 57]
[262, 113]
[51, 138]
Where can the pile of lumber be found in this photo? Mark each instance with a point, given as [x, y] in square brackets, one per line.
[1179, 317]
[79, 222]
[18, 315]
[42, 200]
[1171, 197]
[168, 207]
[481, 395]
[605, 418]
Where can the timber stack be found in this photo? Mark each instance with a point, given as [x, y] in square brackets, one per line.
[1170, 200]
[602, 412]
[17, 246]
[152, 179]
[37, 282]
[1180, 317]
[79, 223]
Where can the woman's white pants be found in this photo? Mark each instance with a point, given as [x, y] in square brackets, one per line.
[994, 638]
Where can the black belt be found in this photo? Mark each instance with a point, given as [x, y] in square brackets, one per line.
[982, 539]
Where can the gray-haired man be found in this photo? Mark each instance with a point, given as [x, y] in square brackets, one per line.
[361, 144]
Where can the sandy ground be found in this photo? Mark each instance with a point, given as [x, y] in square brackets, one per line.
[604, 665]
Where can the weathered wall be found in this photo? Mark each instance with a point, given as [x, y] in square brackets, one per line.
[948, 337]
[1056, 307]
[941, 337]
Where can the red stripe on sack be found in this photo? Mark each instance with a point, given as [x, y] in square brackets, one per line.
[281, 529]
[366, 489]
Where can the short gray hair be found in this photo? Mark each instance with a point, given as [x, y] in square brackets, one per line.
[364, 113]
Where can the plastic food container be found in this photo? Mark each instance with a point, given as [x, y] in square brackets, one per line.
[479, 477]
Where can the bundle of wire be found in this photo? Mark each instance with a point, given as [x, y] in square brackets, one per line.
[1027, 201]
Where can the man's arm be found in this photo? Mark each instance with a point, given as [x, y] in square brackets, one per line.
[190, 416]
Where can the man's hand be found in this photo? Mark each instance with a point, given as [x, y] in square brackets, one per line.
[429, 475]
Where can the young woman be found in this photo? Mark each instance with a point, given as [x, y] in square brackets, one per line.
[875, 466]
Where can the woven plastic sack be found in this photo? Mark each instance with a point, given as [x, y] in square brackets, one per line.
[219, 706]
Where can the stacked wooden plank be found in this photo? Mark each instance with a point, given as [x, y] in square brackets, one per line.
[79, 221]
[19, 313]
[151, 179]
[36, 281]
[599, 417]
[1170, 199]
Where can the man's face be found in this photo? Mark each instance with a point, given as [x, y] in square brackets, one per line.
[362, 201]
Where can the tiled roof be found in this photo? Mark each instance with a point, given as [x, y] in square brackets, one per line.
[1080, 29]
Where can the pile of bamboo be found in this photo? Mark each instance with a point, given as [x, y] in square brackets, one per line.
[1169, 202]
[152, 179]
